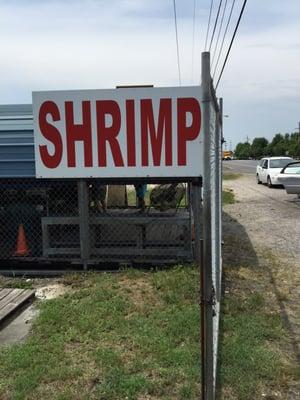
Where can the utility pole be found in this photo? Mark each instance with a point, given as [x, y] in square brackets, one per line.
[298, 133]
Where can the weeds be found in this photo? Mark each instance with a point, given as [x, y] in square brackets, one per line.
[228, 197]
[98, 342]
[231, 176]
[16, 283]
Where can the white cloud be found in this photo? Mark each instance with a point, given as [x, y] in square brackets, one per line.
[93, 44]
[262, 72]
[48, 47]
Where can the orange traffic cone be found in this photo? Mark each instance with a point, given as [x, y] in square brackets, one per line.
[21, 248]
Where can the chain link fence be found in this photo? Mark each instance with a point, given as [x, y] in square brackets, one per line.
[90, 222]
[28, 208]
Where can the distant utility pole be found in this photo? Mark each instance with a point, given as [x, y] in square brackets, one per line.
[298, 133]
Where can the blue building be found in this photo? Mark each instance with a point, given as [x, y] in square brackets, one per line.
[16, 141]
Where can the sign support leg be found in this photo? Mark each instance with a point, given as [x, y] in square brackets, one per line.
[83, 222]
[197, 214]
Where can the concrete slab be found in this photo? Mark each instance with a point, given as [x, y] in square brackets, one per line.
[18, 329]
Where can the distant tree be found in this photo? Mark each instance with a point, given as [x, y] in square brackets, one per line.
[277, 138]
[243, 150]
[296, 151]
[268, 151]
[280, 149]
[294, 145]
[258, 147]
[238, 149]
[281, 145]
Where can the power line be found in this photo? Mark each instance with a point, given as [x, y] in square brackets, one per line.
[193, 46]
[215, 25]
[220, 29]
[209, 18]
[232, 40]
[176, 32]
[225, 32]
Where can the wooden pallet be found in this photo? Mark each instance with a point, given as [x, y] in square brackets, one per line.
[12, 299]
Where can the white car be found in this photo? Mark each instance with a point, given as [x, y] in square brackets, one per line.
[269, 168]
[289, 177]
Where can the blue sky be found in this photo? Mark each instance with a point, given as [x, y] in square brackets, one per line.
[77, 44]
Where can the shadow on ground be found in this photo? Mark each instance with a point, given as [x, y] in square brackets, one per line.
[240, 265]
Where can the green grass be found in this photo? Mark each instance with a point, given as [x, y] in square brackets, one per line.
[135, 336]
[231, 176]
[116, 337]
[228, 197]
[248, 364]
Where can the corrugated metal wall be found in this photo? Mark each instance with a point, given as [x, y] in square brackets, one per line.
[16, 141]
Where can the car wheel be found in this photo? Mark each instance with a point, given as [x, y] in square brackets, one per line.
[269, 182]
[258, 180]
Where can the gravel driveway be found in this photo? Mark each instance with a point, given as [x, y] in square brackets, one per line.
[271, 217]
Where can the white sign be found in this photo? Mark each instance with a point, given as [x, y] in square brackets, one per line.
[118, 133]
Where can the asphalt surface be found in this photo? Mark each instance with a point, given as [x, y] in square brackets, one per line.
[240, 166]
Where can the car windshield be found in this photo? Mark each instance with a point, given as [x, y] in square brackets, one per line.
[293, 169]
[280, 163]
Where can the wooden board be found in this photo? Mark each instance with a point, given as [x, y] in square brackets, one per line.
[12, 299]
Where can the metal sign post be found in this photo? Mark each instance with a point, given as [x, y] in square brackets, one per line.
[210, 262]
[208, 295]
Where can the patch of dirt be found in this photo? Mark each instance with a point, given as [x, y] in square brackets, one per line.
[140, 290]
[51, 291]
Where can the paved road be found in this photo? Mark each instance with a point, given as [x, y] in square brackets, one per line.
[240, 166]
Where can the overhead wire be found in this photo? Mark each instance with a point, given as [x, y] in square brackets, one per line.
[177, 45]
[208, 25]
[215, 25]
[219, 32]
[224, 35]
[193, 43]
[232, 40]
